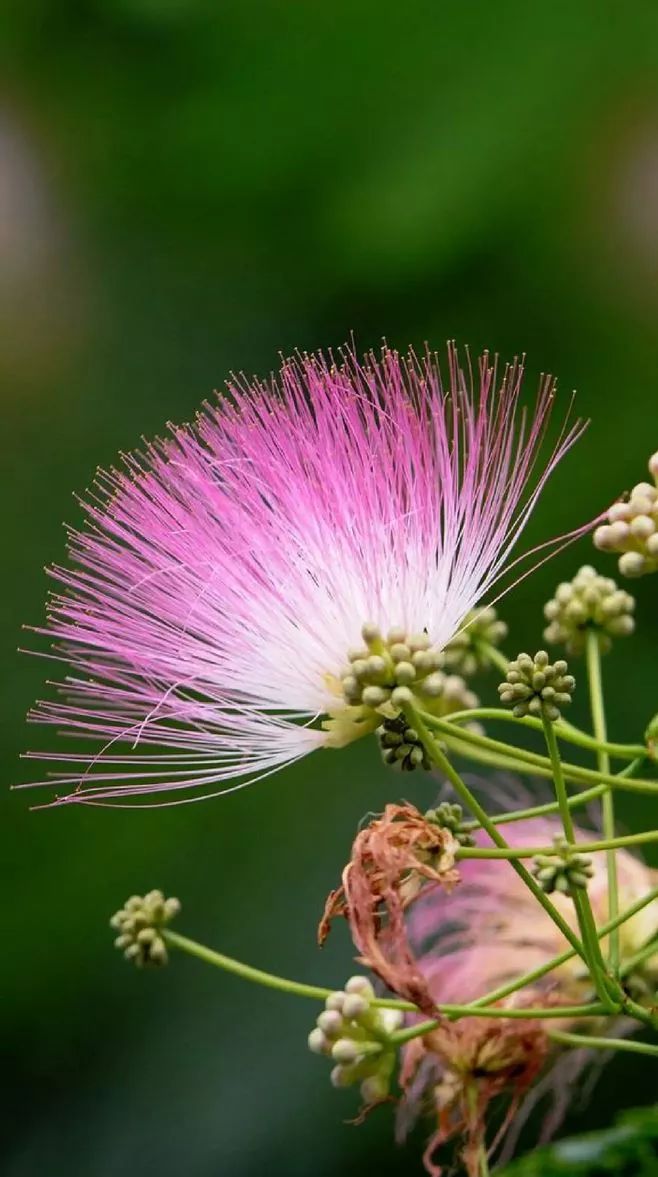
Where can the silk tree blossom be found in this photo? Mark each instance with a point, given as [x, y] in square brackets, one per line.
[227, 599]
[488, 931]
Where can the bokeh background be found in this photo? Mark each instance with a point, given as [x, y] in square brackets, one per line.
[187, 187]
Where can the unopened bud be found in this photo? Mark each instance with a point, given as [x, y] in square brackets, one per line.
[374, 1089]
[450, 817]
[565, 871]
[360, 985]
[341, 1076]
[632, 526]
[140, 923]
[355, 1006]
[536, 686]
[469, 652]
[345, 1050]
[588, 602]
[330, 1022]
[318, 1043]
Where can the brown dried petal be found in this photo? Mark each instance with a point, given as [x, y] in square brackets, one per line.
[393, 859]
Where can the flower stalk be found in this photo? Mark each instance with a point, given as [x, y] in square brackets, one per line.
[441, 761]
[593, 652]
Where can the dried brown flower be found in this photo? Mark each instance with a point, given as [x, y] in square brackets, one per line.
[395, 857]
[459, 1068]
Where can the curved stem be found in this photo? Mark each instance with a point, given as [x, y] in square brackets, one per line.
[540, 810]
[483, 1006]
[608, 803]
[435, 752]
[591, 1010]
[513, 757]
[496, 657]
[632, 962]
[245, 971]
[591, 1043]
[564, 731]
[536, 974]
[584, 847]
[319, 993]
[580, 898]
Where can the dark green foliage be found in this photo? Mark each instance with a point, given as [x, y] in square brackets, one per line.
[213, 180]
[628, 1149]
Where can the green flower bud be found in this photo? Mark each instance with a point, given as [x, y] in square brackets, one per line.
[565, 871]
[469, 652]
[535, 686]
[354, 1033]
[632, 528]
[450, 817]
[140, 923]
[588, 602]
[400, 746]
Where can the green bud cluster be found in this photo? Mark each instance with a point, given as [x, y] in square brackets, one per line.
[565, 871]
[632, 528]
[401, 746]
[450, 817]
[140, 922]
[468, 652]
[386, 663]
[536, 686]
[588, 602]
[354, 1033]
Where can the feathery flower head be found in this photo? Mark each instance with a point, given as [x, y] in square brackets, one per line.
[303, 549]
[485, 933]
[491, 928]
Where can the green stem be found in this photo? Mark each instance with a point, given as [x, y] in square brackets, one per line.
[500, 819]
[592, 1043]
[319, 993]
[608, 803]
[634, 1010]
[632, 962]
[525, 979]
[496, 657]
[436, 754]
[515, 757]
[482, 1007]
[558, 780]
[586, 922]
[245, 971]
[566, 732]
[472, 1097]
[624, 779]
[583, 847]
[591, 1010]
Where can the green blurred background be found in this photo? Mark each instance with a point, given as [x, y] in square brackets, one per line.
[186, 187]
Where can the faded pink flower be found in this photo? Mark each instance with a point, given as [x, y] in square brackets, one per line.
[392, 860]
[488, 931]
[223, 573]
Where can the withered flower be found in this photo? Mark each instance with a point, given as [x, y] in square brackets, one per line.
[454, 1072]
[393, 859]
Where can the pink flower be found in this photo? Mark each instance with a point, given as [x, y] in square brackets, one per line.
[224, 573]
[487, 932]
[492, 929]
